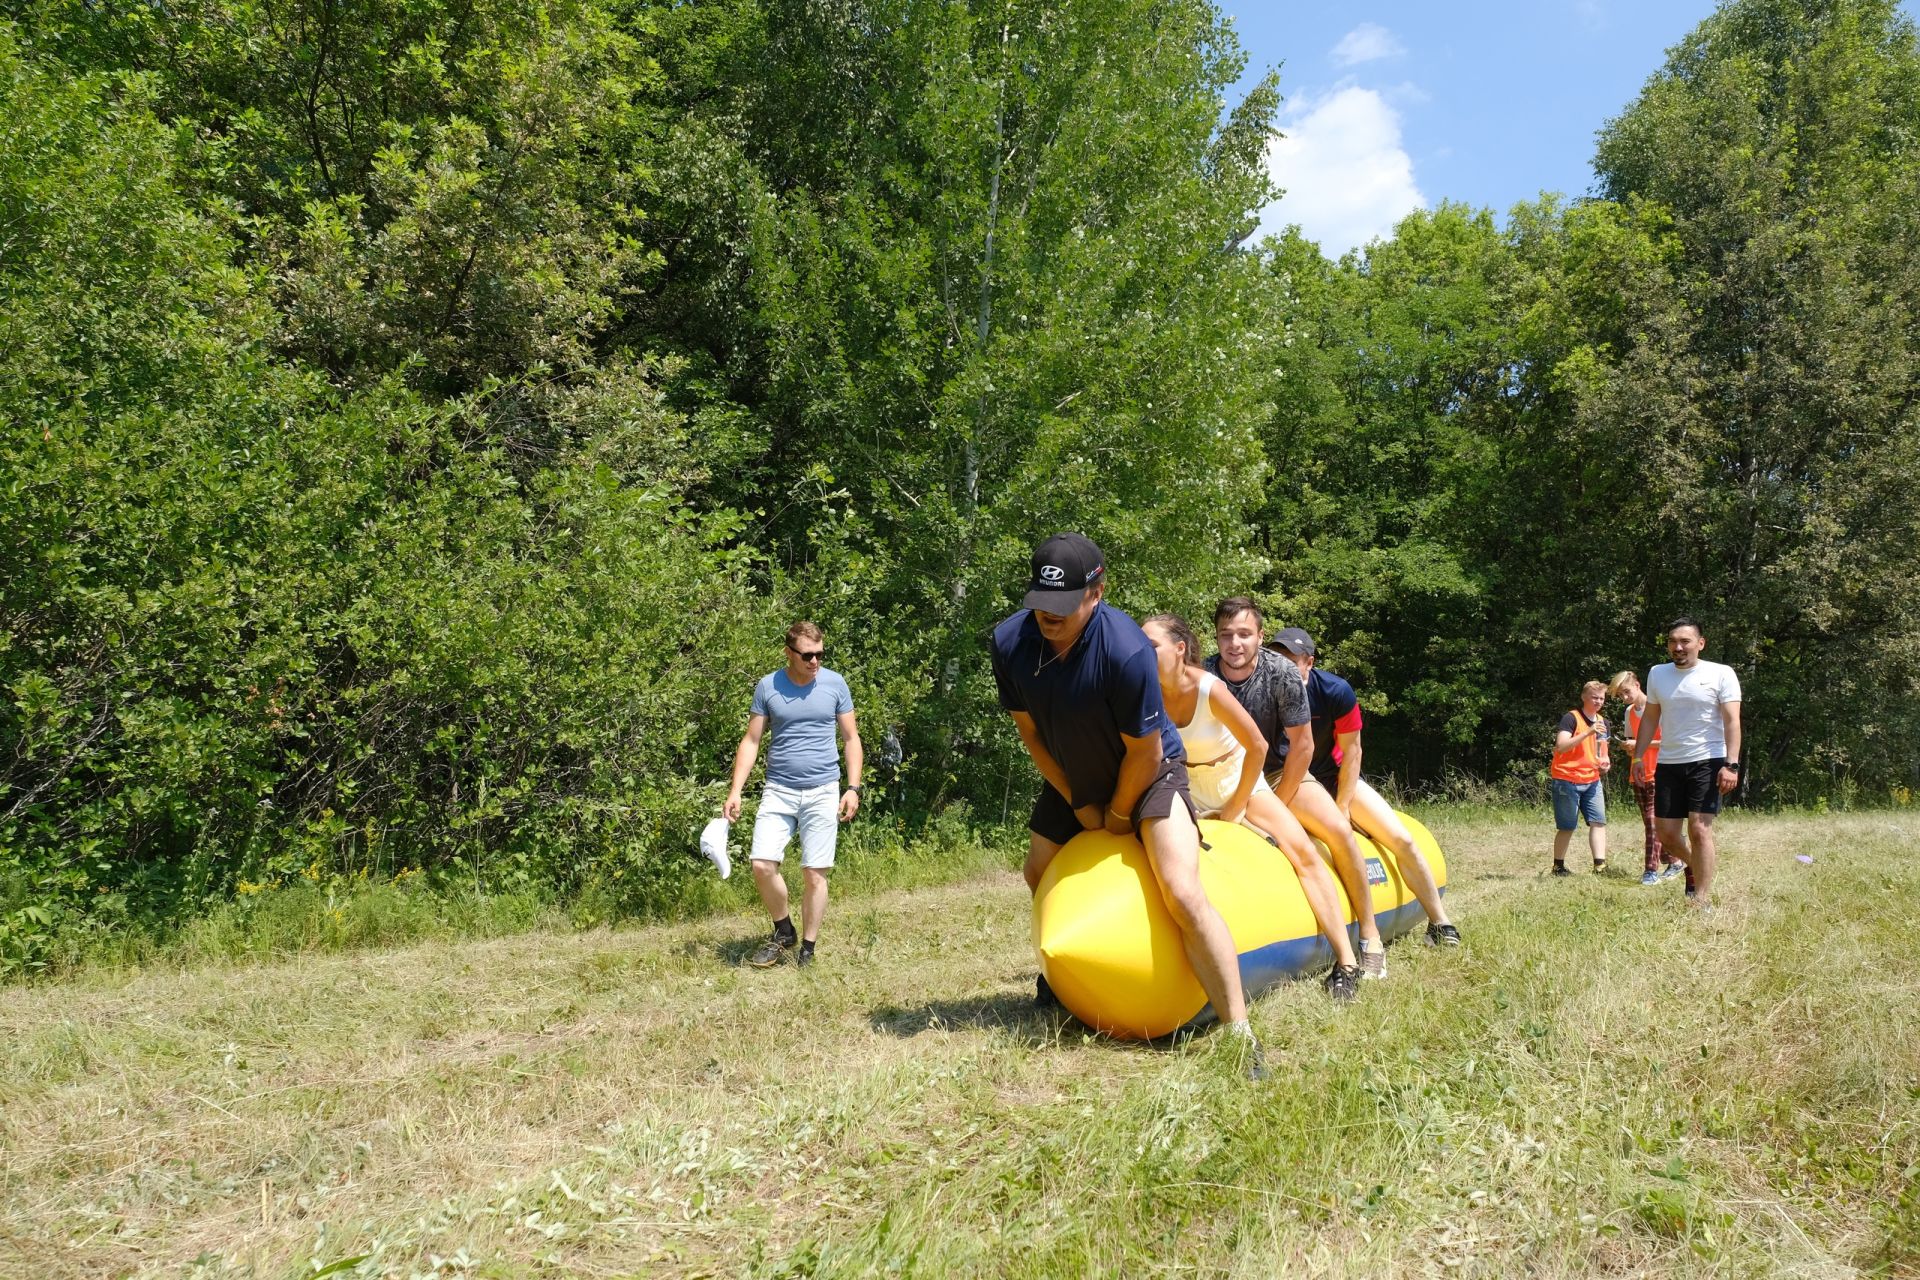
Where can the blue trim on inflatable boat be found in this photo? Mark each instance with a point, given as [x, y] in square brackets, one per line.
[1267, 967]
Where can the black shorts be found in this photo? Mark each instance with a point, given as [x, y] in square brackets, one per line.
[1683, 789]
[1054, 820]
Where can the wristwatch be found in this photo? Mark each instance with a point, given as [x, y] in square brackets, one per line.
[858, 788]
[1733, 765]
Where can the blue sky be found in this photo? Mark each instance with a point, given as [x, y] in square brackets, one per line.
[1394, 106]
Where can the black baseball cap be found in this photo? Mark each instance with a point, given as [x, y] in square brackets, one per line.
[1293, 640]
[1065, 567]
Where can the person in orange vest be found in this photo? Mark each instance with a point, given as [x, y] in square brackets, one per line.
[1660, 865]
[1579, 762]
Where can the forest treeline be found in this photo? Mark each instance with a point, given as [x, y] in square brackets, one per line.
[422, 417]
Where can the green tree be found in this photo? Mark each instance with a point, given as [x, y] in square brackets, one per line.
[975, 267]
[1777, 442]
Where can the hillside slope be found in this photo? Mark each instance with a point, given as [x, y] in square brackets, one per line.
[1599, 1083]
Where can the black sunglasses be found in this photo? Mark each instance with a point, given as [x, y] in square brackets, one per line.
[818, 655]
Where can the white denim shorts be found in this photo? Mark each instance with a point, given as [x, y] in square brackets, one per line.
[813, 811]
[1212, 786]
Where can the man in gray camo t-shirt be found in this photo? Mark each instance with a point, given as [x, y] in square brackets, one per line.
[1268, 686]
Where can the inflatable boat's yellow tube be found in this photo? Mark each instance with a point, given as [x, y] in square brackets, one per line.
[1115, 958]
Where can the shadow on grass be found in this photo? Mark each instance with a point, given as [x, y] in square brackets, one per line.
[1015, 1014]
[1012, 1012]
[728, 951]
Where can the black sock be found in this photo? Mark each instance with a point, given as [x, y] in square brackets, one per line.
[783, 929]
[806, 948]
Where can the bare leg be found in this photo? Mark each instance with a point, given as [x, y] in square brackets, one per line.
[1266, 814]
[1673, 838]
[1597, 842]
[1040, 853]
[1705, 853]
[1561, 841]
[813, 902]
[1373, 815]
[1320, 814]
[772, 886]
[1173, 847]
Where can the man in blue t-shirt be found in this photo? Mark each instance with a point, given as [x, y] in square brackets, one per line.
[1080, 681]
[1334, 801]
[803, 705]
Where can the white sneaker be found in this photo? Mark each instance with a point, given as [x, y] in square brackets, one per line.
[713, 843]
[1373, 962]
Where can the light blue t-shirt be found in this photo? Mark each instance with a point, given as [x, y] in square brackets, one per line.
[803, 749]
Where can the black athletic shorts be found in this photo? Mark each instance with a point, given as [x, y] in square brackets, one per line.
[1053, 818]
[1682, 789]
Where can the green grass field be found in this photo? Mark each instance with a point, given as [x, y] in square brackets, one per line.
[1597, 1084]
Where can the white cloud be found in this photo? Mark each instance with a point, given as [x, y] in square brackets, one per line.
[1347, 177]
[1365, 43]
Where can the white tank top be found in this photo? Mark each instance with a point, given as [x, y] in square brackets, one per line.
[1210, 744]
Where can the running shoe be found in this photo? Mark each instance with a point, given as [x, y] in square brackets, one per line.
[1373, 960]
[803, 958]
[1599, 866]
[1560, 869]
[772, 952]
[1673, 869]
[1255, 1061]
[1442, 935]
[1651, 877]
[1343, 983]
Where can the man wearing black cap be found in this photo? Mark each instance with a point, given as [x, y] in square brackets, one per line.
[1080, 681]
[1334, 800]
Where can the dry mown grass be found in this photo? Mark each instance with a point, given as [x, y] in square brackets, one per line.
[1598, 1084]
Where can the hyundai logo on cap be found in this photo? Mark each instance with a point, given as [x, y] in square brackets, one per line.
[1065, 566]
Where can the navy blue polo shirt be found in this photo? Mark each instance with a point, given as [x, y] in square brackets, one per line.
[1106, 685]
[1333, 710]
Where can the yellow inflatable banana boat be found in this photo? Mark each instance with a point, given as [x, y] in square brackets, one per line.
[1114, 956]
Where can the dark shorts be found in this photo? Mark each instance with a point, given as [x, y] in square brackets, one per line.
[1053, 818]
[1683, 789]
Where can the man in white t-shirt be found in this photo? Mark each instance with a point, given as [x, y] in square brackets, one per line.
[1697, 705]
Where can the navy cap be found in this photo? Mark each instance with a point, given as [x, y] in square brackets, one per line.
[1065, 567]
[1294, 641]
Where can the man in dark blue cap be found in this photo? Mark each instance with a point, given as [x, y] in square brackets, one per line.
[1080, 681]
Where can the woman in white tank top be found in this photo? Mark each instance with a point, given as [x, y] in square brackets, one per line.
[1220, 737]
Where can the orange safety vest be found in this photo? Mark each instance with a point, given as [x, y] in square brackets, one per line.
[1580, 761]
[1633, 735]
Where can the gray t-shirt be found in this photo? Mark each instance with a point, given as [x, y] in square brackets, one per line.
[1275, 696]
[803, 750]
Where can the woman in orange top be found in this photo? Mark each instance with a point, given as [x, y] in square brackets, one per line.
[1626, 686]
[1579, 760]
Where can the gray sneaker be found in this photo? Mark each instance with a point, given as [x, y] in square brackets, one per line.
[1373, 961]
[772, 952]
[1650, 877]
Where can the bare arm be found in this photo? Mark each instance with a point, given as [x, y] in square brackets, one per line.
[1042, 758]
[1241, 724]
[743, 758]
[1136, 772]
[1730, 723]
[1349, 744]
[1299, 760]
[856, 765]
